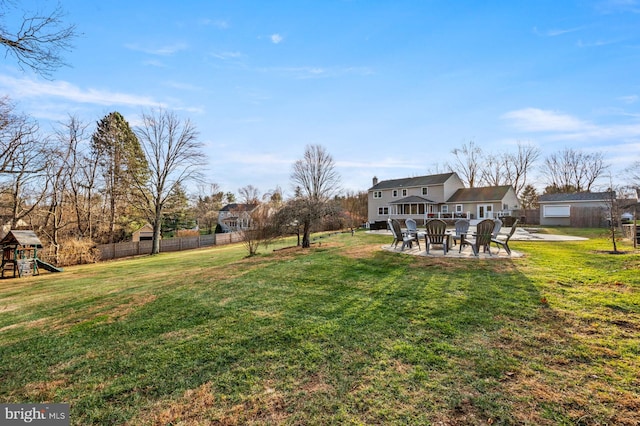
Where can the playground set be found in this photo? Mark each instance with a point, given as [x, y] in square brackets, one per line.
[20, 254]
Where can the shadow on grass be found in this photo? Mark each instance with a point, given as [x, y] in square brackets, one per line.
[315, 337]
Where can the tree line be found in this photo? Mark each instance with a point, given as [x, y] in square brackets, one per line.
[95, 186]
[565, 171]
[81, 185]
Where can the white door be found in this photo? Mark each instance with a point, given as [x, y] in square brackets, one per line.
[485, 211]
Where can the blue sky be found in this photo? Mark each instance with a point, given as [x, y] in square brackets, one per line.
[389, 88]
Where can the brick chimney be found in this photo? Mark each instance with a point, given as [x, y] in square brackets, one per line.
[375, 181]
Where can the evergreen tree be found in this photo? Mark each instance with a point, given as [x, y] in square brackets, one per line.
[529, 198]
[120, 159]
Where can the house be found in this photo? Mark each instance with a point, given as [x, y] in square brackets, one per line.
[567, 209]
[485, 202]
[235, 216]
[438, 196]
[143, 234]
[4, 229]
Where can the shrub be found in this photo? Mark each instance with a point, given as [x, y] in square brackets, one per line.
[72, 252]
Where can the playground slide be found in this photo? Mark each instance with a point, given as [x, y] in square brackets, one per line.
[49, 267]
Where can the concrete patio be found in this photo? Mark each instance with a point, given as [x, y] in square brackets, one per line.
[521, 234]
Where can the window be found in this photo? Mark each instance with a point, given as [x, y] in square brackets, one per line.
[459, 208]
[394, 193]
[425, 191]
[505, 207]
[444, 209]
[404, 192]
[382, 211]
[377, 194]
[557, 211]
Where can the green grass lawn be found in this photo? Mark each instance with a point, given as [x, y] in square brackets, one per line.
[343, 333]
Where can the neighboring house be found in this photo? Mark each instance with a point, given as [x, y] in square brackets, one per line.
[442, 196]
[236, 217]
[564, 208]
[486, 202]
[143, 234]
[21, 225]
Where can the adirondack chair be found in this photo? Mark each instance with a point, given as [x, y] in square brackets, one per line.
[412, 230]
[496, 228]
[505, 243]
[398, 235]
[412, 227]
[482, 237]
[462, 228]
[436, 233]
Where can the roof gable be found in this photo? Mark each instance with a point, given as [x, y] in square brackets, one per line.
[23, 238]
[413, 199]
[413, 181]
[487, 193]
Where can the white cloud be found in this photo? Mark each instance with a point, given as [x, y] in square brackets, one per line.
[564, 127]
[320, 72]
[183, 86]
[538, 120]
[154, 63]
[597, 43]
[617, 6]
[276, 38]
[167, 50]
[227, 55]
[383, 163]
[631, 99]
[25, 88]
[554, 32]
[217, 23]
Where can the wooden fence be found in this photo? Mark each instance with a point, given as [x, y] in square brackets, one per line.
[118, 250]
[588, 217]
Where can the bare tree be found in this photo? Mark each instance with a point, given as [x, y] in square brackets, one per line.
[82, 169]
[263, 227]
[633, 175]
[58, 197]
[519, 164]
[274, 197]
[38, 40]
[613, 211]
[26, 186]
[15, 129]
[207, 205]
[249, 194]
[174, 157]
[261, 231]
[355, 206]
[316, 181]
[509, 168]
[494, 170]
[467, 163]
[573, 171]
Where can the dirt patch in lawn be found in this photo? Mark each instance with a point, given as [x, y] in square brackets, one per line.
[202, 406]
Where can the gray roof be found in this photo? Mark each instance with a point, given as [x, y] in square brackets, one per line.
[487, 193]
[576, 196]
[236, 207]
[413, 199]
[413, 181]
[23, 238]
